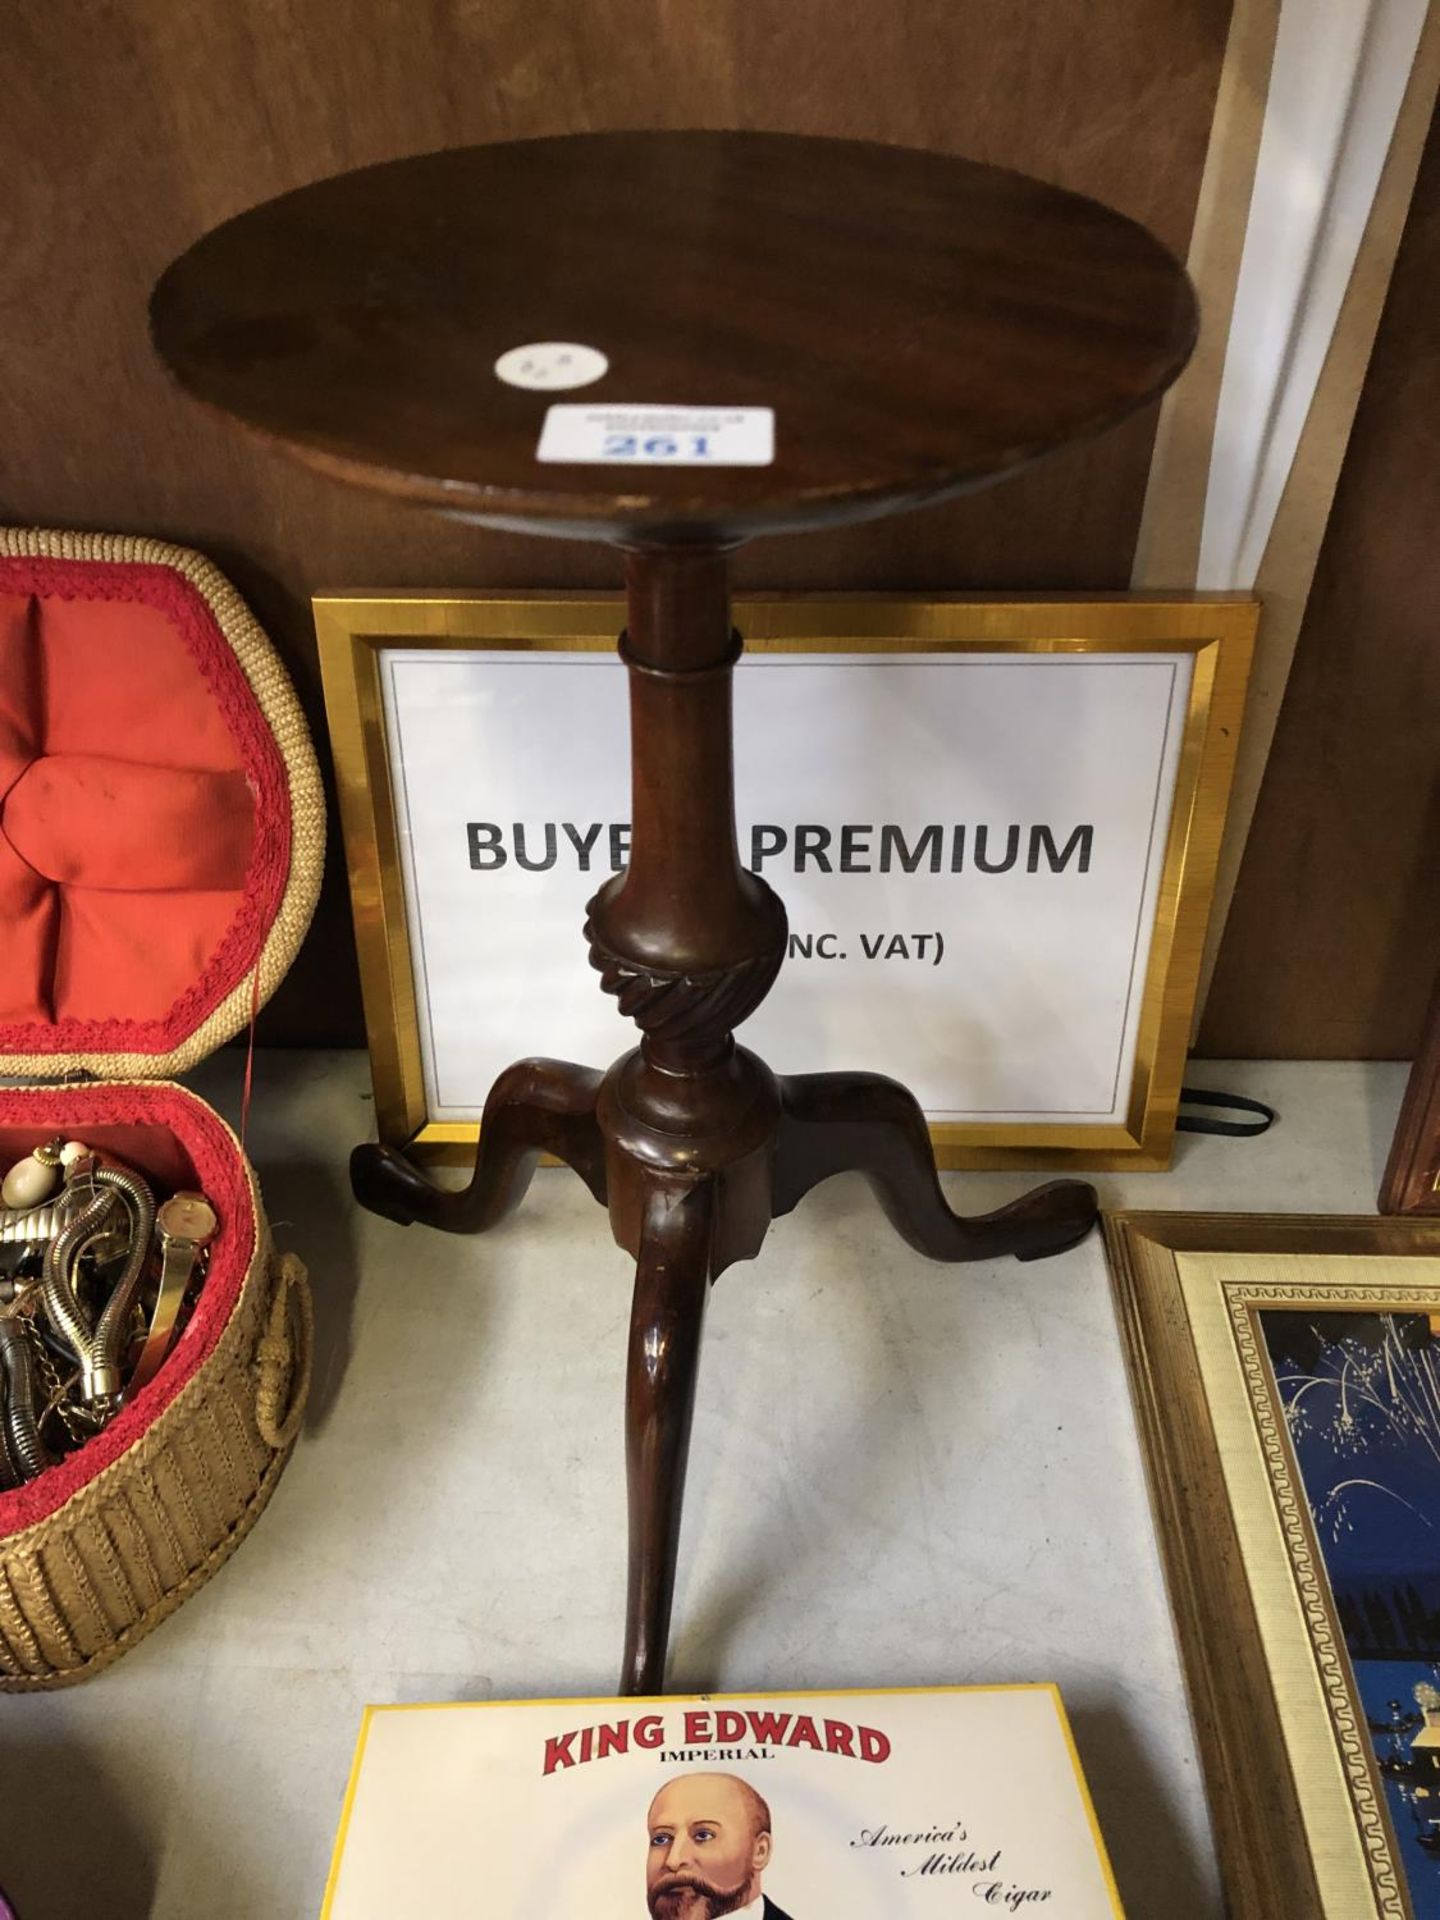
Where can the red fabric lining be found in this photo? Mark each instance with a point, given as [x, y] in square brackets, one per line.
[83, 820]
[125, 928]
[175, 1138]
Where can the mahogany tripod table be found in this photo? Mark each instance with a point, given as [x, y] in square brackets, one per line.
[915, 326]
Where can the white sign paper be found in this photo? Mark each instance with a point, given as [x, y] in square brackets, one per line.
[880, 1806]
[621, 436]
[969, 846]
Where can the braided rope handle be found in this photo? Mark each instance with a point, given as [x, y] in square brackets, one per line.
[284, 1354]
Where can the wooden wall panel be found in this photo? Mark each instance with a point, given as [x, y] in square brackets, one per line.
[1333, 939]
[131, 126]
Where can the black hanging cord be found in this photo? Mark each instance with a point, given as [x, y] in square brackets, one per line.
[1264, 1117]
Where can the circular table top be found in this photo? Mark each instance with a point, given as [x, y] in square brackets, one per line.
[915, 324]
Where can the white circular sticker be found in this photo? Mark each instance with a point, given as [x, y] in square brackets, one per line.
[551, 365]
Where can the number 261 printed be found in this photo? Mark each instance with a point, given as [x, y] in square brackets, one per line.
[660, 446]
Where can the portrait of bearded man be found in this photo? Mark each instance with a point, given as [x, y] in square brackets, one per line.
[709, 1846]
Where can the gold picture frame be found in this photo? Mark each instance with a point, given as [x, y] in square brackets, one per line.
[1297, 1793]
[1217, 630]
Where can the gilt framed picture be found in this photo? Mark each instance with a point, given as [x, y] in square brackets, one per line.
[994, 826]
[1286, 1374]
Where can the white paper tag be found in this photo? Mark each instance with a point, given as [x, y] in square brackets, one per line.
[659, 436]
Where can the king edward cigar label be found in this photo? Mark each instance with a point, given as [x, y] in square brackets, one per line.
[769, 1807]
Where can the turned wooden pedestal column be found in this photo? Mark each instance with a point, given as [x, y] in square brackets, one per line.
[917, 325]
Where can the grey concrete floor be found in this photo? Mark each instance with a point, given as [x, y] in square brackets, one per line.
[902, 1474]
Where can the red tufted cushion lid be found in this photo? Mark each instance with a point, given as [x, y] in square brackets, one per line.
[144, 809]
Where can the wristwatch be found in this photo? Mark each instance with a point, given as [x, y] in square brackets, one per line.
[184, 1226]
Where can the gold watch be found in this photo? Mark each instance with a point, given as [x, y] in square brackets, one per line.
[184, 1226]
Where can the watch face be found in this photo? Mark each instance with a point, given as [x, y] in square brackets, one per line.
[187, 1216]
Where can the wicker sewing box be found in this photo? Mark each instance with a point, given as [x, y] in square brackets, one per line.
[161, 839]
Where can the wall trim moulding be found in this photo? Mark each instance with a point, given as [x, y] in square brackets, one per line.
[1300, 219]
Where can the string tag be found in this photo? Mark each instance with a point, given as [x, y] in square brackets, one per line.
[250, 1055]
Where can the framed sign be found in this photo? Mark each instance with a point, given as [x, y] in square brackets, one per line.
[996, 849]
[1286, 1374]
